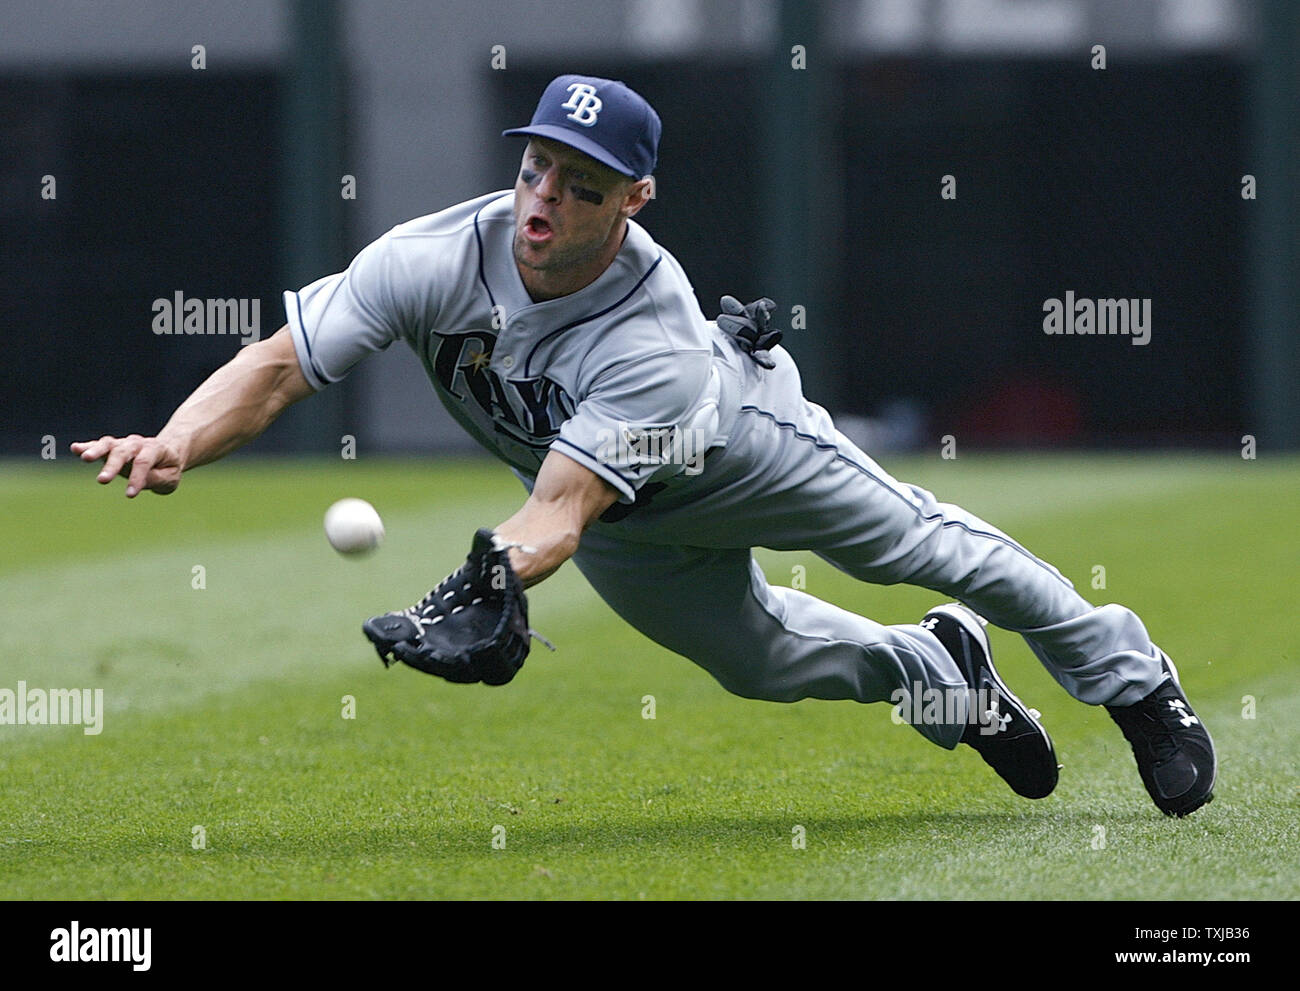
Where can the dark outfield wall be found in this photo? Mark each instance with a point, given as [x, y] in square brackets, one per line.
[1117, 183]
[1124, 182]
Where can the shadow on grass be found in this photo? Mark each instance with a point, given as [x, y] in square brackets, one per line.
[683, 836]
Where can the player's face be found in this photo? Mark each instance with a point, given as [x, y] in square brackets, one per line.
[569, 210]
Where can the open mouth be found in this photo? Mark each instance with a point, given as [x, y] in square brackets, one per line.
[538, 229]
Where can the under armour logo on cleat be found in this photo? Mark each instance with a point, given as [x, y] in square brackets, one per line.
[992, 723]
[929, 624]
[1185, 717]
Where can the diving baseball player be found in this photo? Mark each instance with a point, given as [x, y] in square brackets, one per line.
[657, 448]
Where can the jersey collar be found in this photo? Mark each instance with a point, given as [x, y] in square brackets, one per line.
[635, 257]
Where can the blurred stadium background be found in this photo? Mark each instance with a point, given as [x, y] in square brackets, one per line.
[819, 187]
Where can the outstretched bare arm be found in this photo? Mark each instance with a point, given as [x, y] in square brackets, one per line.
[565, 499]
[236, 403]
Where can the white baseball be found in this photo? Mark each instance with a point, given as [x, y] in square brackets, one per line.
[353, 526]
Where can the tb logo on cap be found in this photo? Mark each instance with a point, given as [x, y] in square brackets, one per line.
[584, 103]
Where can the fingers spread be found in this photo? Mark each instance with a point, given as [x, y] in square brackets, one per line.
[123, 450]
[93, 450]
[140, 466]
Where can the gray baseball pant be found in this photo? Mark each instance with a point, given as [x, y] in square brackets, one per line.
[680, 570]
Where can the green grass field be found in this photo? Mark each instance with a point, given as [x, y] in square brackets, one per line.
[223, 707]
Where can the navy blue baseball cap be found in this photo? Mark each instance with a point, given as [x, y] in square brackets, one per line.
[602, 118]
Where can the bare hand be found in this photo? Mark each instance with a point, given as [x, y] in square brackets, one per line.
[155, 465]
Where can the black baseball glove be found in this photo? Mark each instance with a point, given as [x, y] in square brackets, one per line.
[748, 324]
[473, 627]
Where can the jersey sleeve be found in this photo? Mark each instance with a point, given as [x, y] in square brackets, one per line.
[645, 420]
[340, 319]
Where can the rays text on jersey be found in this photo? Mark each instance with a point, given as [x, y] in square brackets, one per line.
[529, 410]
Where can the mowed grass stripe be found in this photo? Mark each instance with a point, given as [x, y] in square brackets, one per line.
[56, 511]
[278, 600]
[135, 625]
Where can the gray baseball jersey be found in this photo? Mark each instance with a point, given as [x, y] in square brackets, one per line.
[712, 455]
[613, 376]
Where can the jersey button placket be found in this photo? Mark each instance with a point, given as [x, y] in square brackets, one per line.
[506, 343]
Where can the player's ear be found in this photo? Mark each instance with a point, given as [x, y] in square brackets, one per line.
[639, 193]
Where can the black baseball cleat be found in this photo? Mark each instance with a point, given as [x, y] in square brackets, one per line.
[1005, 732]
[1174, 753]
